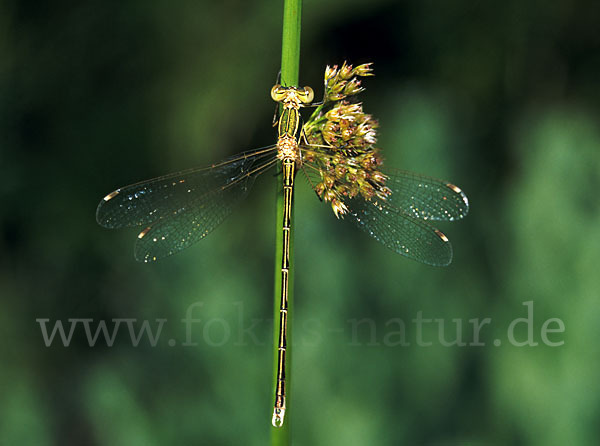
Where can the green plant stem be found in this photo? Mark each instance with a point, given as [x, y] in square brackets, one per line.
[290, 62]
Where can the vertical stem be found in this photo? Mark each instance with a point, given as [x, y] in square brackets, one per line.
[290, 48]
[290, 61]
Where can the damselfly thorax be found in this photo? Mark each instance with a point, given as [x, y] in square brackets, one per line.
[291, 99]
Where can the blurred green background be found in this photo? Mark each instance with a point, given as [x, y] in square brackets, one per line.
[501, 98]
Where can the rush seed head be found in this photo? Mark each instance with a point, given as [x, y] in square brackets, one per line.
[343, 82]
[349, 161]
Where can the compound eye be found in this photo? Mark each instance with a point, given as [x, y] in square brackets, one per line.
[278, 93]
[307, 95]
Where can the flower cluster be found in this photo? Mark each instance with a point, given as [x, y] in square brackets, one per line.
[343, 138]
[343, 82]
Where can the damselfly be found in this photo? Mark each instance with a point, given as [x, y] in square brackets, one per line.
[336, 150]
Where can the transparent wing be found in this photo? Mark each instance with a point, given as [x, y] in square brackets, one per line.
[401, 232]
[192, 222]
[424, 197]
[183, 207]
[418, 195]
[311, 174]
[147, 201]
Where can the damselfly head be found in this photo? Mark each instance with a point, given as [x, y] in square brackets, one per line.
[292, 95]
